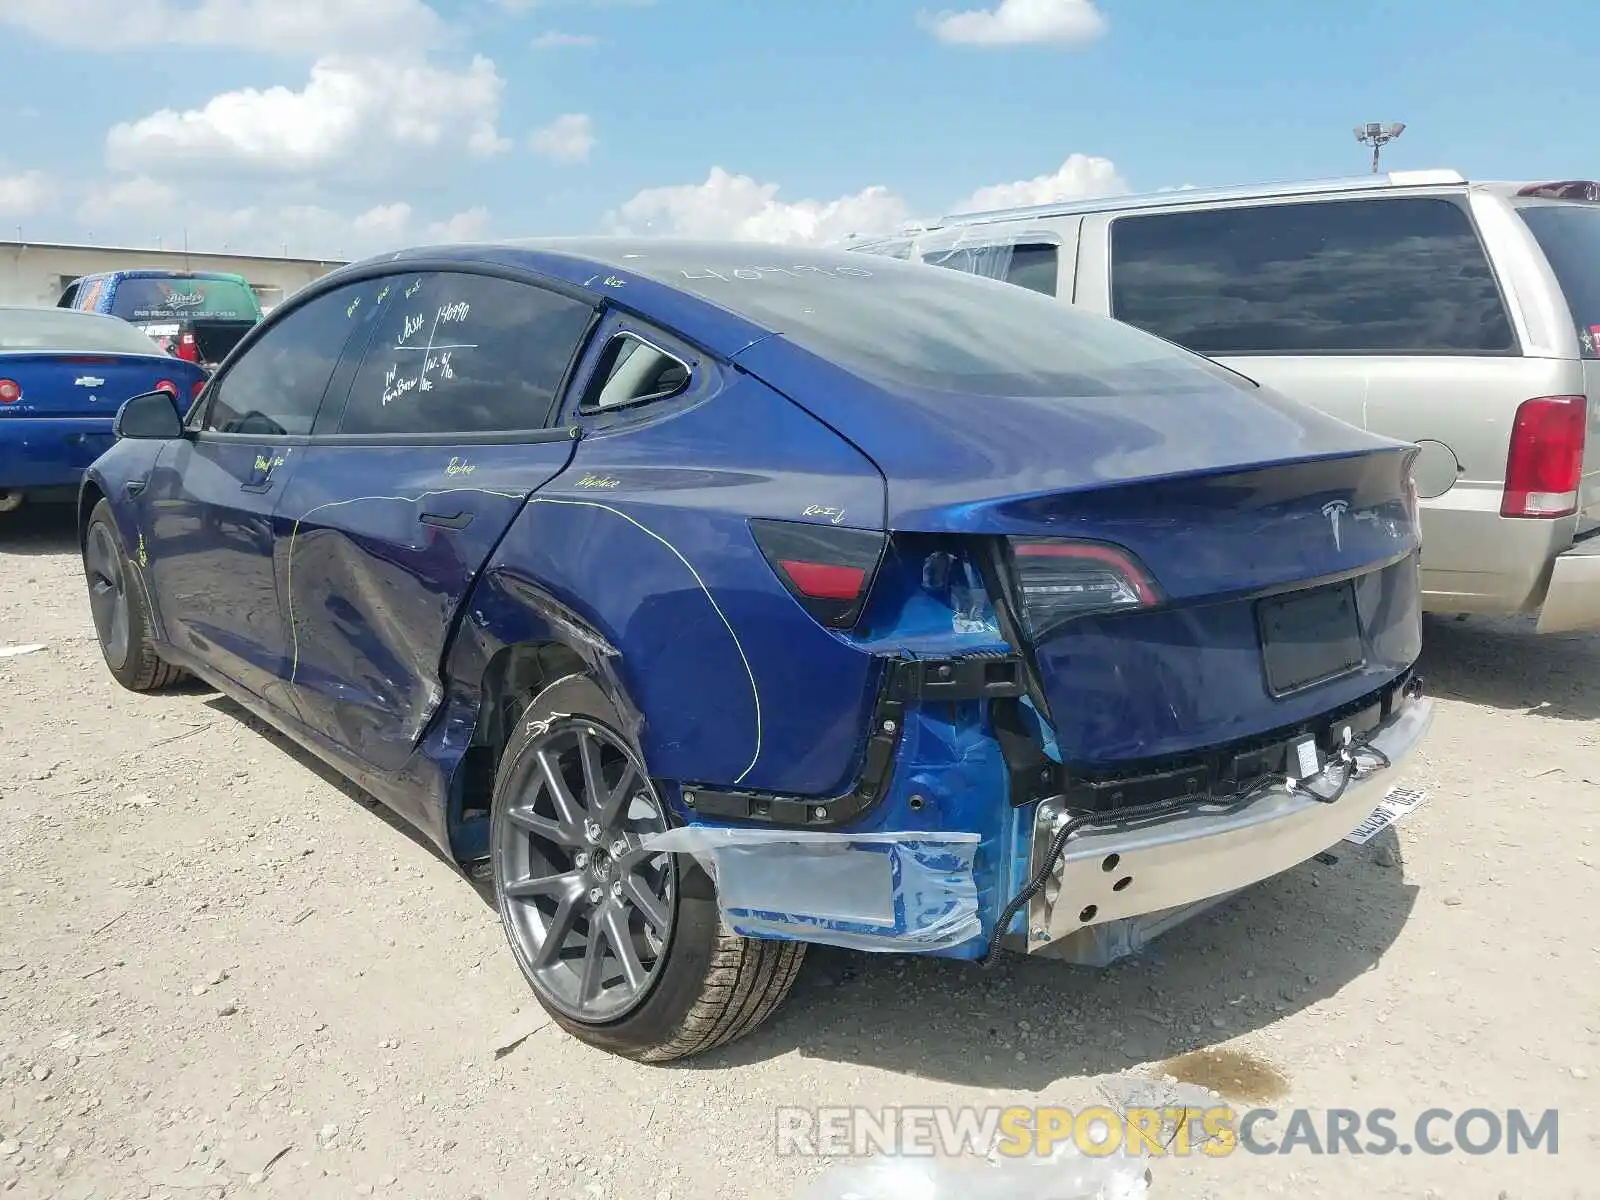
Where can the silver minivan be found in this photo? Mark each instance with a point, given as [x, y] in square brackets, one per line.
[1464, 317]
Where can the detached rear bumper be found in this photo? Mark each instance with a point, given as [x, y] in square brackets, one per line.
[50, 452]
[1153, 868]
[1572, 601]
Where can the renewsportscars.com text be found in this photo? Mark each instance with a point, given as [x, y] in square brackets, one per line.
[1216, 1132]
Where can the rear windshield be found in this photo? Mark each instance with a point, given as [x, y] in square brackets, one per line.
[1569, 235]
[905, 323]
[181, 299]
[61, 329]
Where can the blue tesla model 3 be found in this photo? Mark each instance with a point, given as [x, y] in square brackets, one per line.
[715, 599]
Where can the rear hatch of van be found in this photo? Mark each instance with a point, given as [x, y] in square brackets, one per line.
[195, 317]
[1564, 219]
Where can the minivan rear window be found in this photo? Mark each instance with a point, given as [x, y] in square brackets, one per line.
[1569, 235]
[184, 298]
[1403, 275]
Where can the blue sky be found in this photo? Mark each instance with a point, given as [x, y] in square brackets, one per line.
[344, 127]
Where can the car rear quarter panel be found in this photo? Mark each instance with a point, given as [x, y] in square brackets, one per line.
[645, 540]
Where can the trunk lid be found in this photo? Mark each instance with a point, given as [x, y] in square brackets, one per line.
[86, 385]
[1277, 594]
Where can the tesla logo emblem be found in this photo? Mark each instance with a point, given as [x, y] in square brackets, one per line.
[1334, 510]
[88, 381]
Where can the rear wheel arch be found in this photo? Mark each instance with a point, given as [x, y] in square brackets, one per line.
[511, 681]
[711, 986]
[89, 495]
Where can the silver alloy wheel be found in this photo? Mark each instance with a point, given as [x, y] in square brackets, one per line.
[108, 593]
[591, 914]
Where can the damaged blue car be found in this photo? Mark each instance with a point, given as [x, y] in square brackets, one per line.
[714, 599]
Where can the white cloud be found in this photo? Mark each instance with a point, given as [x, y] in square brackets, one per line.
[567, 139]
[471, 225]
[556, 40]
[353, 110]
[24, 194]
[136, 197]
[137, 211]
[295, 26]
[522, 6]
[1078, 177]
[738, 206]
[1020, 22]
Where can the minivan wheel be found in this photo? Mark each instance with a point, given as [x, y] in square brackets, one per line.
[625, 950]
[116, 601]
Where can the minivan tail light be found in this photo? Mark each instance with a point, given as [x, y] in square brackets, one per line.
[187, 350]
[827, 568]
[1059, 580]
[1544, 467]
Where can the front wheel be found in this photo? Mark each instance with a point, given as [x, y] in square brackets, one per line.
[625, 950]
[116, 601]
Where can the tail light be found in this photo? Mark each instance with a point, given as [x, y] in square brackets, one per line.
[1061, 580]
[1545, 465]
[10, 391]
[827, 568]
[187, 350]
[166, 385]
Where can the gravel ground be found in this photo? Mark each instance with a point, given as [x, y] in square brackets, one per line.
[223, 971]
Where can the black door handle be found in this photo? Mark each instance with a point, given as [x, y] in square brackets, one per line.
[458, 520]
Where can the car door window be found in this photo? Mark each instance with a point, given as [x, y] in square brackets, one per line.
[454, 352]
[1387, 276]
[276, 386]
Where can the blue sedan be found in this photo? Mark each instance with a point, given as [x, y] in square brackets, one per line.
[716, 599]
[62, 377]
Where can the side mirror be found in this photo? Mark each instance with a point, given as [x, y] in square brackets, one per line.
[151, 415]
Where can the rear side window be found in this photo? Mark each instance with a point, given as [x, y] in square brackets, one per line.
[1033, 266]
[1391, 276]
[184, 298]
[1569, 235]
[632, 371]
[275, 387]
[462, 353]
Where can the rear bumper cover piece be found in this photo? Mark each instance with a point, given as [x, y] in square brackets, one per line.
[1150, 868]
[1572, 601]
[43, 452]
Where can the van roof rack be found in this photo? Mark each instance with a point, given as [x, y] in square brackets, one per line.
[1352, 183]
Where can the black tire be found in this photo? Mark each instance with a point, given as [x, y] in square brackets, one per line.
[710, 986]
[115, 580]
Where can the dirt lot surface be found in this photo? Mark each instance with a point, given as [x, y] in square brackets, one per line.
[224, 972]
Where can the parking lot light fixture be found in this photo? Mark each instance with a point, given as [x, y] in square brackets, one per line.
[1378, 135]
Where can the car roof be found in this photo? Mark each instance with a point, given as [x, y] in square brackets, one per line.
[74, 314]
[1391, 182]
[161, 273]
[645, 272]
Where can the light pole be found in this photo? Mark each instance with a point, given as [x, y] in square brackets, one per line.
[1378, 135]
